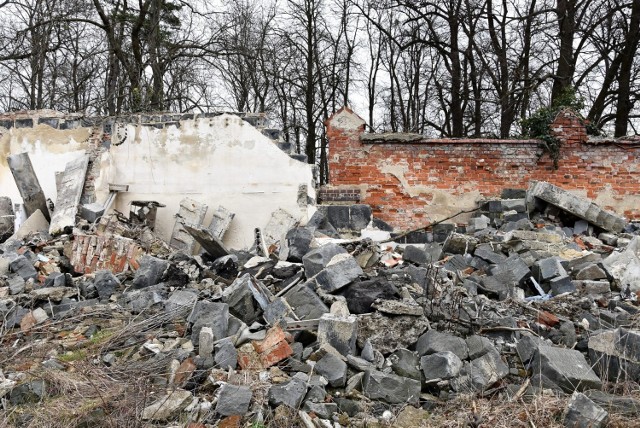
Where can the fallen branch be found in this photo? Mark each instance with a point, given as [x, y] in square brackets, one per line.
[423, 228]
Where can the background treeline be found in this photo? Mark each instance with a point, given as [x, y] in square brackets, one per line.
[441, 67]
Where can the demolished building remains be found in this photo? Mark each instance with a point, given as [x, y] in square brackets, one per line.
[218, 294]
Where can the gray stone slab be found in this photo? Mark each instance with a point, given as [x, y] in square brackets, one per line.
[332, 368]
[315, 260]
[191, 213]
[339, 332]
[209, 243]
[434, 341]
[390, 388]
[28, 185]
[233, 400]
[566, 367]
[69, 194]
[583, 412]
[209, 314]
[580, 207]
[306, 304]
[290, 393]
[220, 222]
[339, 272]
[441, 365]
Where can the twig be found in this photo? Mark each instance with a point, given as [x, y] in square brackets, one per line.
[490, 329]
[402, 235]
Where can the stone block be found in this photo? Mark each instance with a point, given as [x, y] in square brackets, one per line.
[441, 365]
[581, 412]
[434, 341]
[233, 400]
[332, 368]
[580, 207]
[390, 388]
[209, 314]
[150, 271]
[226, 355]
[289, 393]
[480, 373]
[340, 271]
[305, 303]
[316, 260]
[567, 367]
[339, 332]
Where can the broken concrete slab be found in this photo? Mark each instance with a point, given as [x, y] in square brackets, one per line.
[69, 194]
[233, 400]
[615, 354]
[304, 301]
[480, 373]
[28, 185]
[23, 267]
[209, 243]
[191, 213]
[316, 260]
[388, 333]
[390, 388]
[624, 267]
[220, 222]
[332, 368]
[341, 270]
[582, 412]
[276, 229]
[567, 367]
[7, 218]
[339, 332]
[434, 341]
[150, 271]
[209, 314]
[167, 406]
[289, 393]
[440, 366]
[580, 207]
[405, 363]
[36, 223]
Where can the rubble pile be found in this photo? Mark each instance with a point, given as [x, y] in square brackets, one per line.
[536, 297]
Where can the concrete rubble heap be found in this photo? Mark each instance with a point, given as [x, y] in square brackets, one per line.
[536, 295]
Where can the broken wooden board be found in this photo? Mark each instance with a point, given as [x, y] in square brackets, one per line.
[209, 243]
[70, 191]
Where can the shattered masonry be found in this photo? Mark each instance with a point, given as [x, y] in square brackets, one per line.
[326, 318]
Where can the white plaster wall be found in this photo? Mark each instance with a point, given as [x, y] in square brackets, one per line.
[49, 150]
[216, 161]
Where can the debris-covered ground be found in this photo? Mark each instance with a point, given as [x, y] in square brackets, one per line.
[526, 316]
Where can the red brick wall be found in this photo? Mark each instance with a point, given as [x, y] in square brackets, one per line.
[410, 184]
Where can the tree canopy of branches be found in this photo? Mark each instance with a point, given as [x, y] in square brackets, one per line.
[455, 68]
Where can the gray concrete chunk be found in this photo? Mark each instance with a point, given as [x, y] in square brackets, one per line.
[332, 368]
[390, 388]
[441, 365]
[581, 412]
[340, 271]
[315, 260]
[580, 207]
[567, 367]
[306, 304]
[290, 393]
[233, 400]
[69, 194]
[434, 341]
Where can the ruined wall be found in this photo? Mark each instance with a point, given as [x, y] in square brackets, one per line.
[215, 159]
[409, 180]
